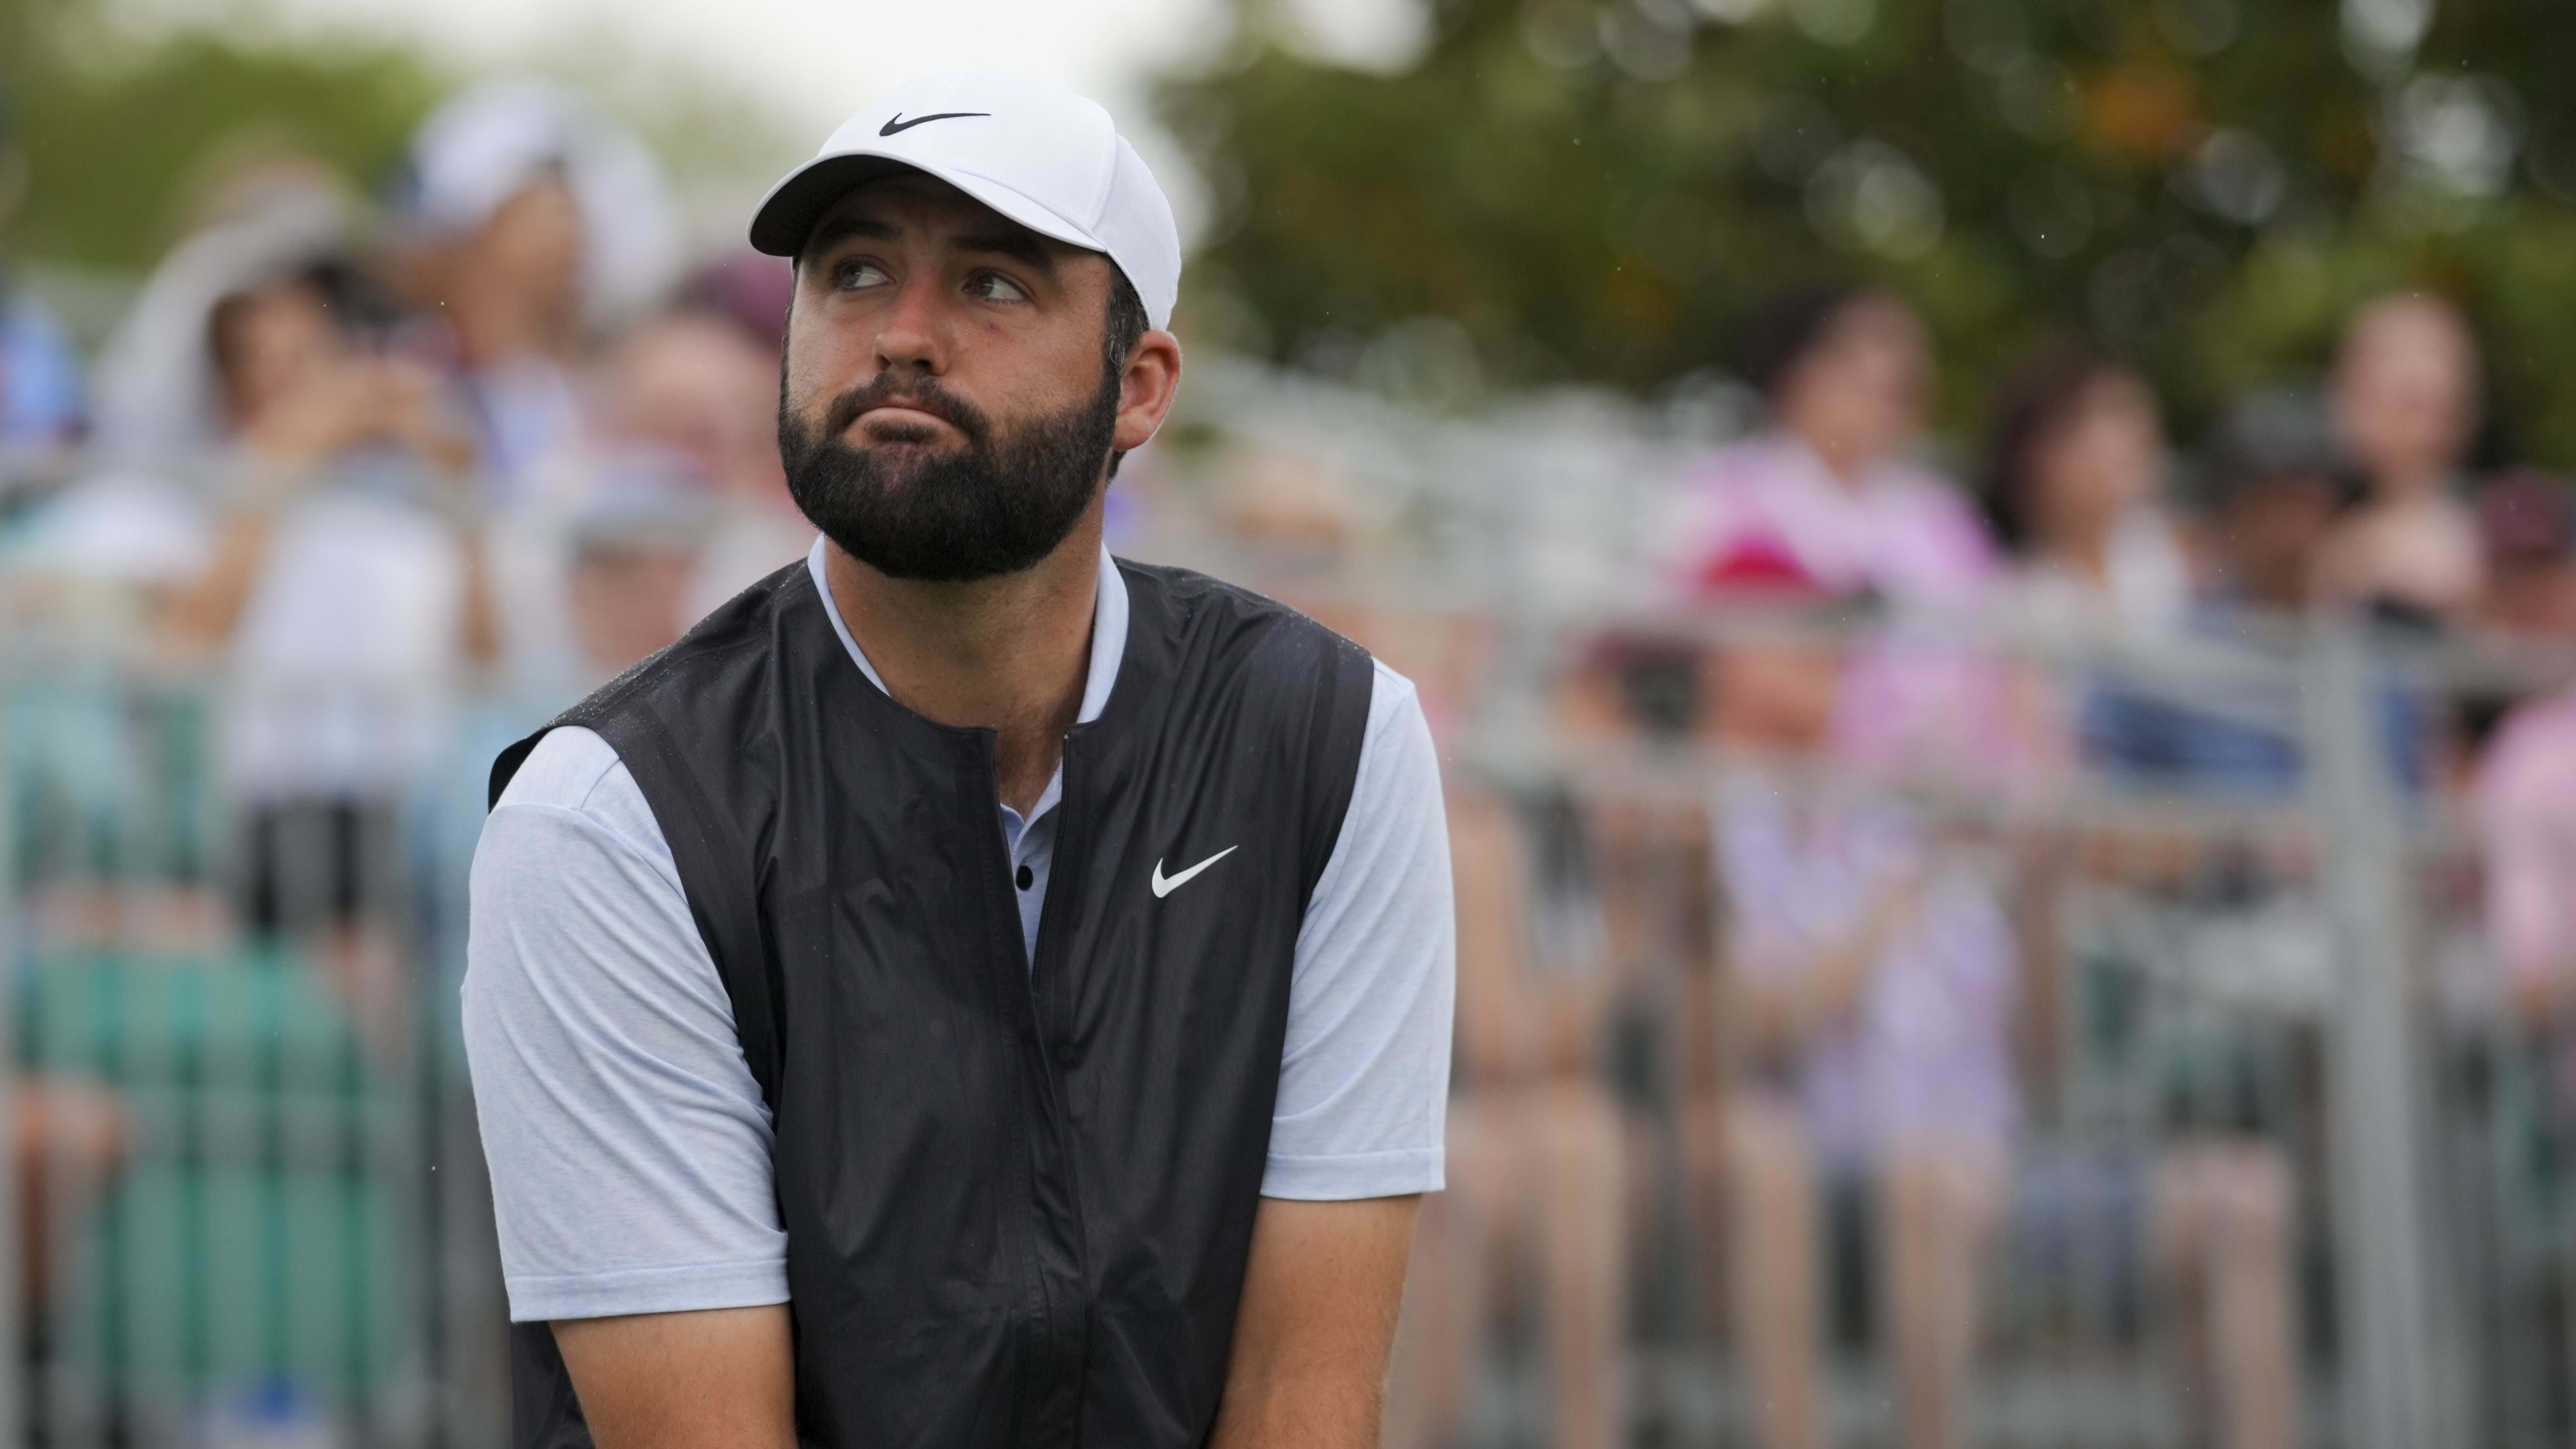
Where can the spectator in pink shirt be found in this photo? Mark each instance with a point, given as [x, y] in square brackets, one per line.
[2527, 810]
[2527, 817]
[1846, 373]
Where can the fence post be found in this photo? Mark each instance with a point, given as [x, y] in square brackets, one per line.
[13, 935]
[2374, 1089]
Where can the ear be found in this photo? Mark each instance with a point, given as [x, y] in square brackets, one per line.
[1146, 388]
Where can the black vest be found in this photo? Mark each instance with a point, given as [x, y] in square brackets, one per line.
[1018, 1196]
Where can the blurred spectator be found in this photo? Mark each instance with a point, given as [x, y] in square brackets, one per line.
[530, 219]
[2076, 493]
[2078, 461]
[1846, 374]
[161, 407]
[636, 554]
[686, 412]
[345, 595]
[702, 379]
[40, 392]
[1872, 981]
[2530, 544]
[2527, 813]
[2280, 485]
[1536, 1169]
[2406, 387]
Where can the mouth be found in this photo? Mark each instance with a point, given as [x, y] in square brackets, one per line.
[900, 422]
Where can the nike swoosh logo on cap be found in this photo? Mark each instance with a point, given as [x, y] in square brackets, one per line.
[1164, 885]
[898, 123]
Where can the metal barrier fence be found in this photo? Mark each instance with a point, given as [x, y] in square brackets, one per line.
[249, 1189]
[251, 1202]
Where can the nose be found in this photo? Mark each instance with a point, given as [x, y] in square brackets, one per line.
[912, 334]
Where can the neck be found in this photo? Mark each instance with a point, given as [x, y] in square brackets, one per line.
[2082, 551]
[2413, 483]
[1007, 654]
[1843, 456]
[494, 327]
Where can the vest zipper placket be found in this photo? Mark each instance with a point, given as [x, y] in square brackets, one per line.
[1038, 1100]
[1046, 981]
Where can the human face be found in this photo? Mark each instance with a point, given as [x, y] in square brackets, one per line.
[2273, 532]
[1776, 694]
[1857, 395]
[947, 410]
[626, 603]
[2106, 458]
[530, 248]
[702, 387]
[2406, 392]
[274, 339]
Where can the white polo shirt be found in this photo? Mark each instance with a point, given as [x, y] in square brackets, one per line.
[629, 1146]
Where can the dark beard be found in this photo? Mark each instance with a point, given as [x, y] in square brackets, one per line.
[994, 506]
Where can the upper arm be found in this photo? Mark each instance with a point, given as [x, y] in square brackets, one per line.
[629, 1146]
[722, 1379]
[1364, 1072]
[1317, 1323]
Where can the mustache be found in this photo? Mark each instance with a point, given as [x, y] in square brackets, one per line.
[920, 393]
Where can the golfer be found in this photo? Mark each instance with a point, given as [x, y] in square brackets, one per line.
[971, 990]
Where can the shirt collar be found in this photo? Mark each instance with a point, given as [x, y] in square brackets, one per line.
[1108, 631]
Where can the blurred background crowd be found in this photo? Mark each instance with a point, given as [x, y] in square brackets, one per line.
[1995, 578]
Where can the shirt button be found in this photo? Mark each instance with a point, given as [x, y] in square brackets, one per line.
[1028, 877]
[1064, 1053]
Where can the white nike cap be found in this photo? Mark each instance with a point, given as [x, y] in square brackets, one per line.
[1044, 157]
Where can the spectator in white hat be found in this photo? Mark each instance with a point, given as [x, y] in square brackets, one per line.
[532, 220]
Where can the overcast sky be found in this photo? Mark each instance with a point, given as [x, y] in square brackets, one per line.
[814, 61]
[809, 63]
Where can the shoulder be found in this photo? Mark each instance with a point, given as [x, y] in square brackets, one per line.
[1939, 518]
[1197, 599]
[573, 782]
[1224, 630]
[739, 634]
[1396, 798]
[708, 686]
[1395, 717]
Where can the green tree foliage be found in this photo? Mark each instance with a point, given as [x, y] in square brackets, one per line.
[115, 129]
[1602, 189]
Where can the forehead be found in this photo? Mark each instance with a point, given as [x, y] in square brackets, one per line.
[1876, 318]
[2408, 331]
[914, 203]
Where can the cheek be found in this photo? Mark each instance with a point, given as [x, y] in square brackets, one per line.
[817, 369]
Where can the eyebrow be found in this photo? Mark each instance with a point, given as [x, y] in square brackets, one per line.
[835, 229]
[1017, 243]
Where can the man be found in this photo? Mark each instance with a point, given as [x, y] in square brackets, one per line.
[969, 991]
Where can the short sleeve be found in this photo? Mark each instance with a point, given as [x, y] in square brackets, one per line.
[630, 1149]
[1364, 1080]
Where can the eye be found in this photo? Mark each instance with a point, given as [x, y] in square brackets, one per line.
[994, 287]
[854, 274]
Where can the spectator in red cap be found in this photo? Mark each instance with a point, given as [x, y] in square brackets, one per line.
[1869, 981]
